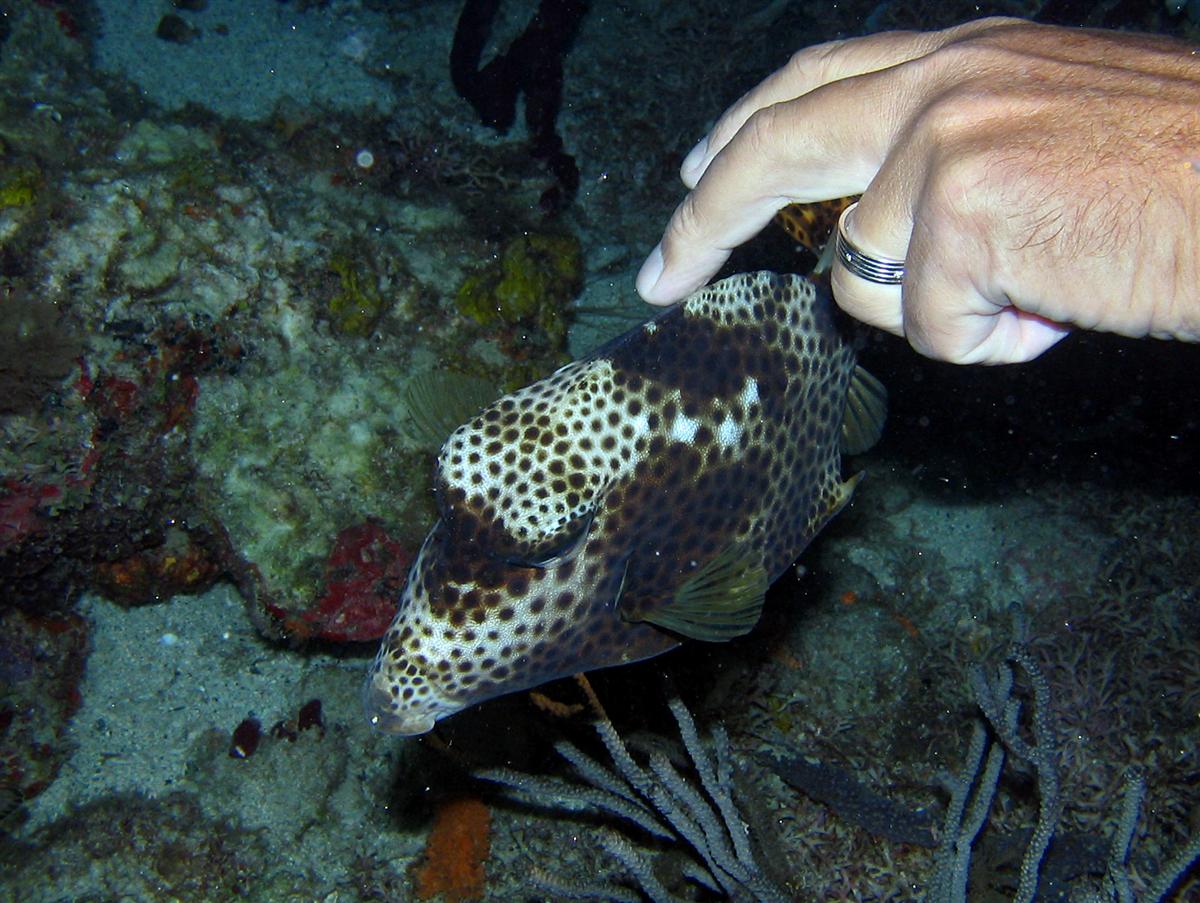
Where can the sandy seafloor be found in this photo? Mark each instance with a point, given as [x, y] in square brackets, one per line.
[1067, 487]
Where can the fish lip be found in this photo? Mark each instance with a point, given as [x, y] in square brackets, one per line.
[377, 704]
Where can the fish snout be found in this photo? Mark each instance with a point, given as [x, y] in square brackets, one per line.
[384, 714]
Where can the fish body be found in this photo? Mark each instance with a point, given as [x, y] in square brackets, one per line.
[642, 495]
[811, 225]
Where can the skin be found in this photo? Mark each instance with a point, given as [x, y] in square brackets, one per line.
[1035, 179]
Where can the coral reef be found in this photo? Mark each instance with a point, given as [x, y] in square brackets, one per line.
[103, 506]
[995, 837]
[39, 349]
[363, 578]
[160, 265]
[19, 187]
[183, 563]
[132, 848]
[1100, 873]
[697, 814]
[291, 459]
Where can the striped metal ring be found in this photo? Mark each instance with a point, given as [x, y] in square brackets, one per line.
[880, 270]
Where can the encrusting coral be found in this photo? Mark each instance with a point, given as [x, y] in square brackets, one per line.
[455, 853]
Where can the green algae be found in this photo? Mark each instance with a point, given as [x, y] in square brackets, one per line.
[357, 306]
[530, 285]
[20, 187]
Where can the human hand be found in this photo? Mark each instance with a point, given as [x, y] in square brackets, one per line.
[1032, 178]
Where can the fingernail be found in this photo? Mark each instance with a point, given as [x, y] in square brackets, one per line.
[691, 163]
[650, 273]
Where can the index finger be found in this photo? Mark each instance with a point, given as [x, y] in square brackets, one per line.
[807, 70]
[803, 150]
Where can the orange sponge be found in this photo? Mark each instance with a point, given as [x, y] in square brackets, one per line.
[455, 853]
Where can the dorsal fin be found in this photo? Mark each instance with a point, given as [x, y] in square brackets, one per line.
[866, 411]
[439, 402]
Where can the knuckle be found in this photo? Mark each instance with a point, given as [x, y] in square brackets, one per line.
[732, 120]
[763, 132]
[992, 55]
[986, 25]
[959, 100]
[685, 225]
[816, 65]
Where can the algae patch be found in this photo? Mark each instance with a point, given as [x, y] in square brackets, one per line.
[528, 287]
[20, 187]
[356, 305]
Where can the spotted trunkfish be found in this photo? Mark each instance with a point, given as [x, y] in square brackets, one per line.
[643, 495]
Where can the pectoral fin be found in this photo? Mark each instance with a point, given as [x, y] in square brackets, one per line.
[866, 410]
[720, 601]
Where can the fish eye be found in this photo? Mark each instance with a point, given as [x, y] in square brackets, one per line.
[493, 539]
[559, 548]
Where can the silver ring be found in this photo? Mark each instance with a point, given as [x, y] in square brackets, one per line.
[880, 270]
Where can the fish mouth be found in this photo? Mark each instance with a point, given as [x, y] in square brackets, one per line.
[382, 715]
